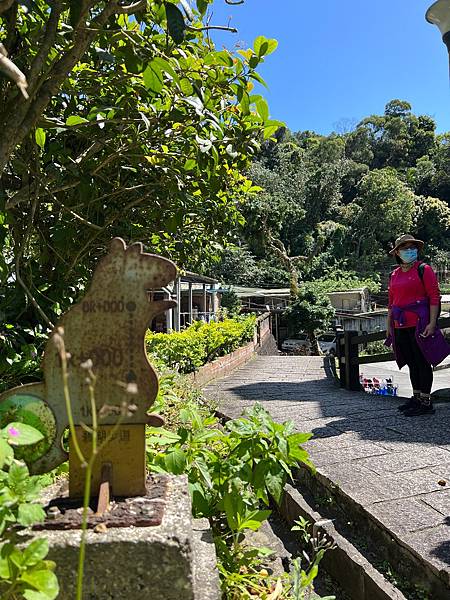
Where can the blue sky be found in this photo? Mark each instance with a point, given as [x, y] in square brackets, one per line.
[341, 60]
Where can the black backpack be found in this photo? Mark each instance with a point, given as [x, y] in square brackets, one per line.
[420, 270]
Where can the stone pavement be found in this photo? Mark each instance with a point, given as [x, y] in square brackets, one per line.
[391, 465]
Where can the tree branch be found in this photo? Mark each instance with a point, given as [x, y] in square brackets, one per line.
[18, 258]
[51, 31]
[208, 27]
[77, 216]
[16, 129]
[130, 8]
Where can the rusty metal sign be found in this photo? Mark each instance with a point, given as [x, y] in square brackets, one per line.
[106, 329]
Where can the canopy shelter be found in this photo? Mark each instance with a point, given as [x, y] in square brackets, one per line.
[197, 298]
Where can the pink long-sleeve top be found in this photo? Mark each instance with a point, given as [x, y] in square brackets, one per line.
[406, 287]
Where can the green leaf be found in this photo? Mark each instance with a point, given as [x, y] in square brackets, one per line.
[186, 87]
[43, 581]
[153, 79]
[254, 520]
[275, 480]
[6, 452]
[260, 45]
[257, 77]
[19, 434]
[33, 595]
[232, 506]
[75, 120]
[175, 22]
[245, 103]
[264, 46]
[29, 514]
[40, 137]
[263, 109]
[190, 164]
[298, 438]
[272, 45]
[175, 461]
[164, 65]
[35, 552]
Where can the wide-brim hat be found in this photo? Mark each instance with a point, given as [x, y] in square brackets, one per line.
[404, 239]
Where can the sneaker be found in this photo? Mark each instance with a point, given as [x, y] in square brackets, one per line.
[413, 402]
[420, 409]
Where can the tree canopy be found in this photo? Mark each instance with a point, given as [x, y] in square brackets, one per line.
[132, 124]
[339, 201]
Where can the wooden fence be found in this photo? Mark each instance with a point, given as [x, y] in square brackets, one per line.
[347, 354]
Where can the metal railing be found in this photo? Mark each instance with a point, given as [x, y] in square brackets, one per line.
[347, 354]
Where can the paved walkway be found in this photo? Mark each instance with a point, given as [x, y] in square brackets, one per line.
[388, 463]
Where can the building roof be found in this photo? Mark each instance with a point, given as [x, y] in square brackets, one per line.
[189, 277]
[244, 292]
[352, 291]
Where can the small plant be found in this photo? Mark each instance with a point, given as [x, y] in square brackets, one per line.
[232, 472]
[24, 572]
[316, 544]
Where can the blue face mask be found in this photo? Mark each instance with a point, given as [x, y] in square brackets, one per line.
[408, 255]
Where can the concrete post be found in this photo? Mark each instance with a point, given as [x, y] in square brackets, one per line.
[169, 315]
[190, 303]
[205, 304]
[177, 309]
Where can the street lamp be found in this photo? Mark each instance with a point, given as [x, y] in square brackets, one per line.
[439, 14]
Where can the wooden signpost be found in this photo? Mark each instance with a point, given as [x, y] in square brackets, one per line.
[103, 333]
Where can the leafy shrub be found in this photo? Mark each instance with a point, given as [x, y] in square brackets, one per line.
[231, 302]
[24, 572]
[231, 472]
[187, 350]
[230, 469]
[20, 348]
[374, 348]
[342, 281]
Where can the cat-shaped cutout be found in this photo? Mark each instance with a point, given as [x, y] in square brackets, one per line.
[108, 327]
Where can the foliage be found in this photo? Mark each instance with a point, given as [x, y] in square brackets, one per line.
[19, 354]
[24, 572]
[230, 302]
[310, 312]
[339, 201]
[136, 126]
[373, 348]
[433, 221]
[341, 281]
[187, 350]
[231, 471]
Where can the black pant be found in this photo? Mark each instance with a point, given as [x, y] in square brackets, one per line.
[420, 371]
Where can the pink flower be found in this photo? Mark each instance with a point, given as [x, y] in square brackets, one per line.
[13, 432]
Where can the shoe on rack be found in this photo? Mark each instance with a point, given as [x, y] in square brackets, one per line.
[412, 402]
[420, 409]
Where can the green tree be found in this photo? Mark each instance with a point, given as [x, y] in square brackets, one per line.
[310, 312]
[433, 221]
[383, 208]
[136, 125]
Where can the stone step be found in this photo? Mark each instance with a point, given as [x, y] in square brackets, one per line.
[359, 579]
[371, 538]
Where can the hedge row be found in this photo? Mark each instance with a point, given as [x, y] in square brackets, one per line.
[188, 350]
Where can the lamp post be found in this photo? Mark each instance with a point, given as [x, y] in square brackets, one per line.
[439, 14]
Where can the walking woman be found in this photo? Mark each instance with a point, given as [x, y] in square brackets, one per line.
[414, 301]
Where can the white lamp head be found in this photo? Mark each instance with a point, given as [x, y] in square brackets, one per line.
[439, 14]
